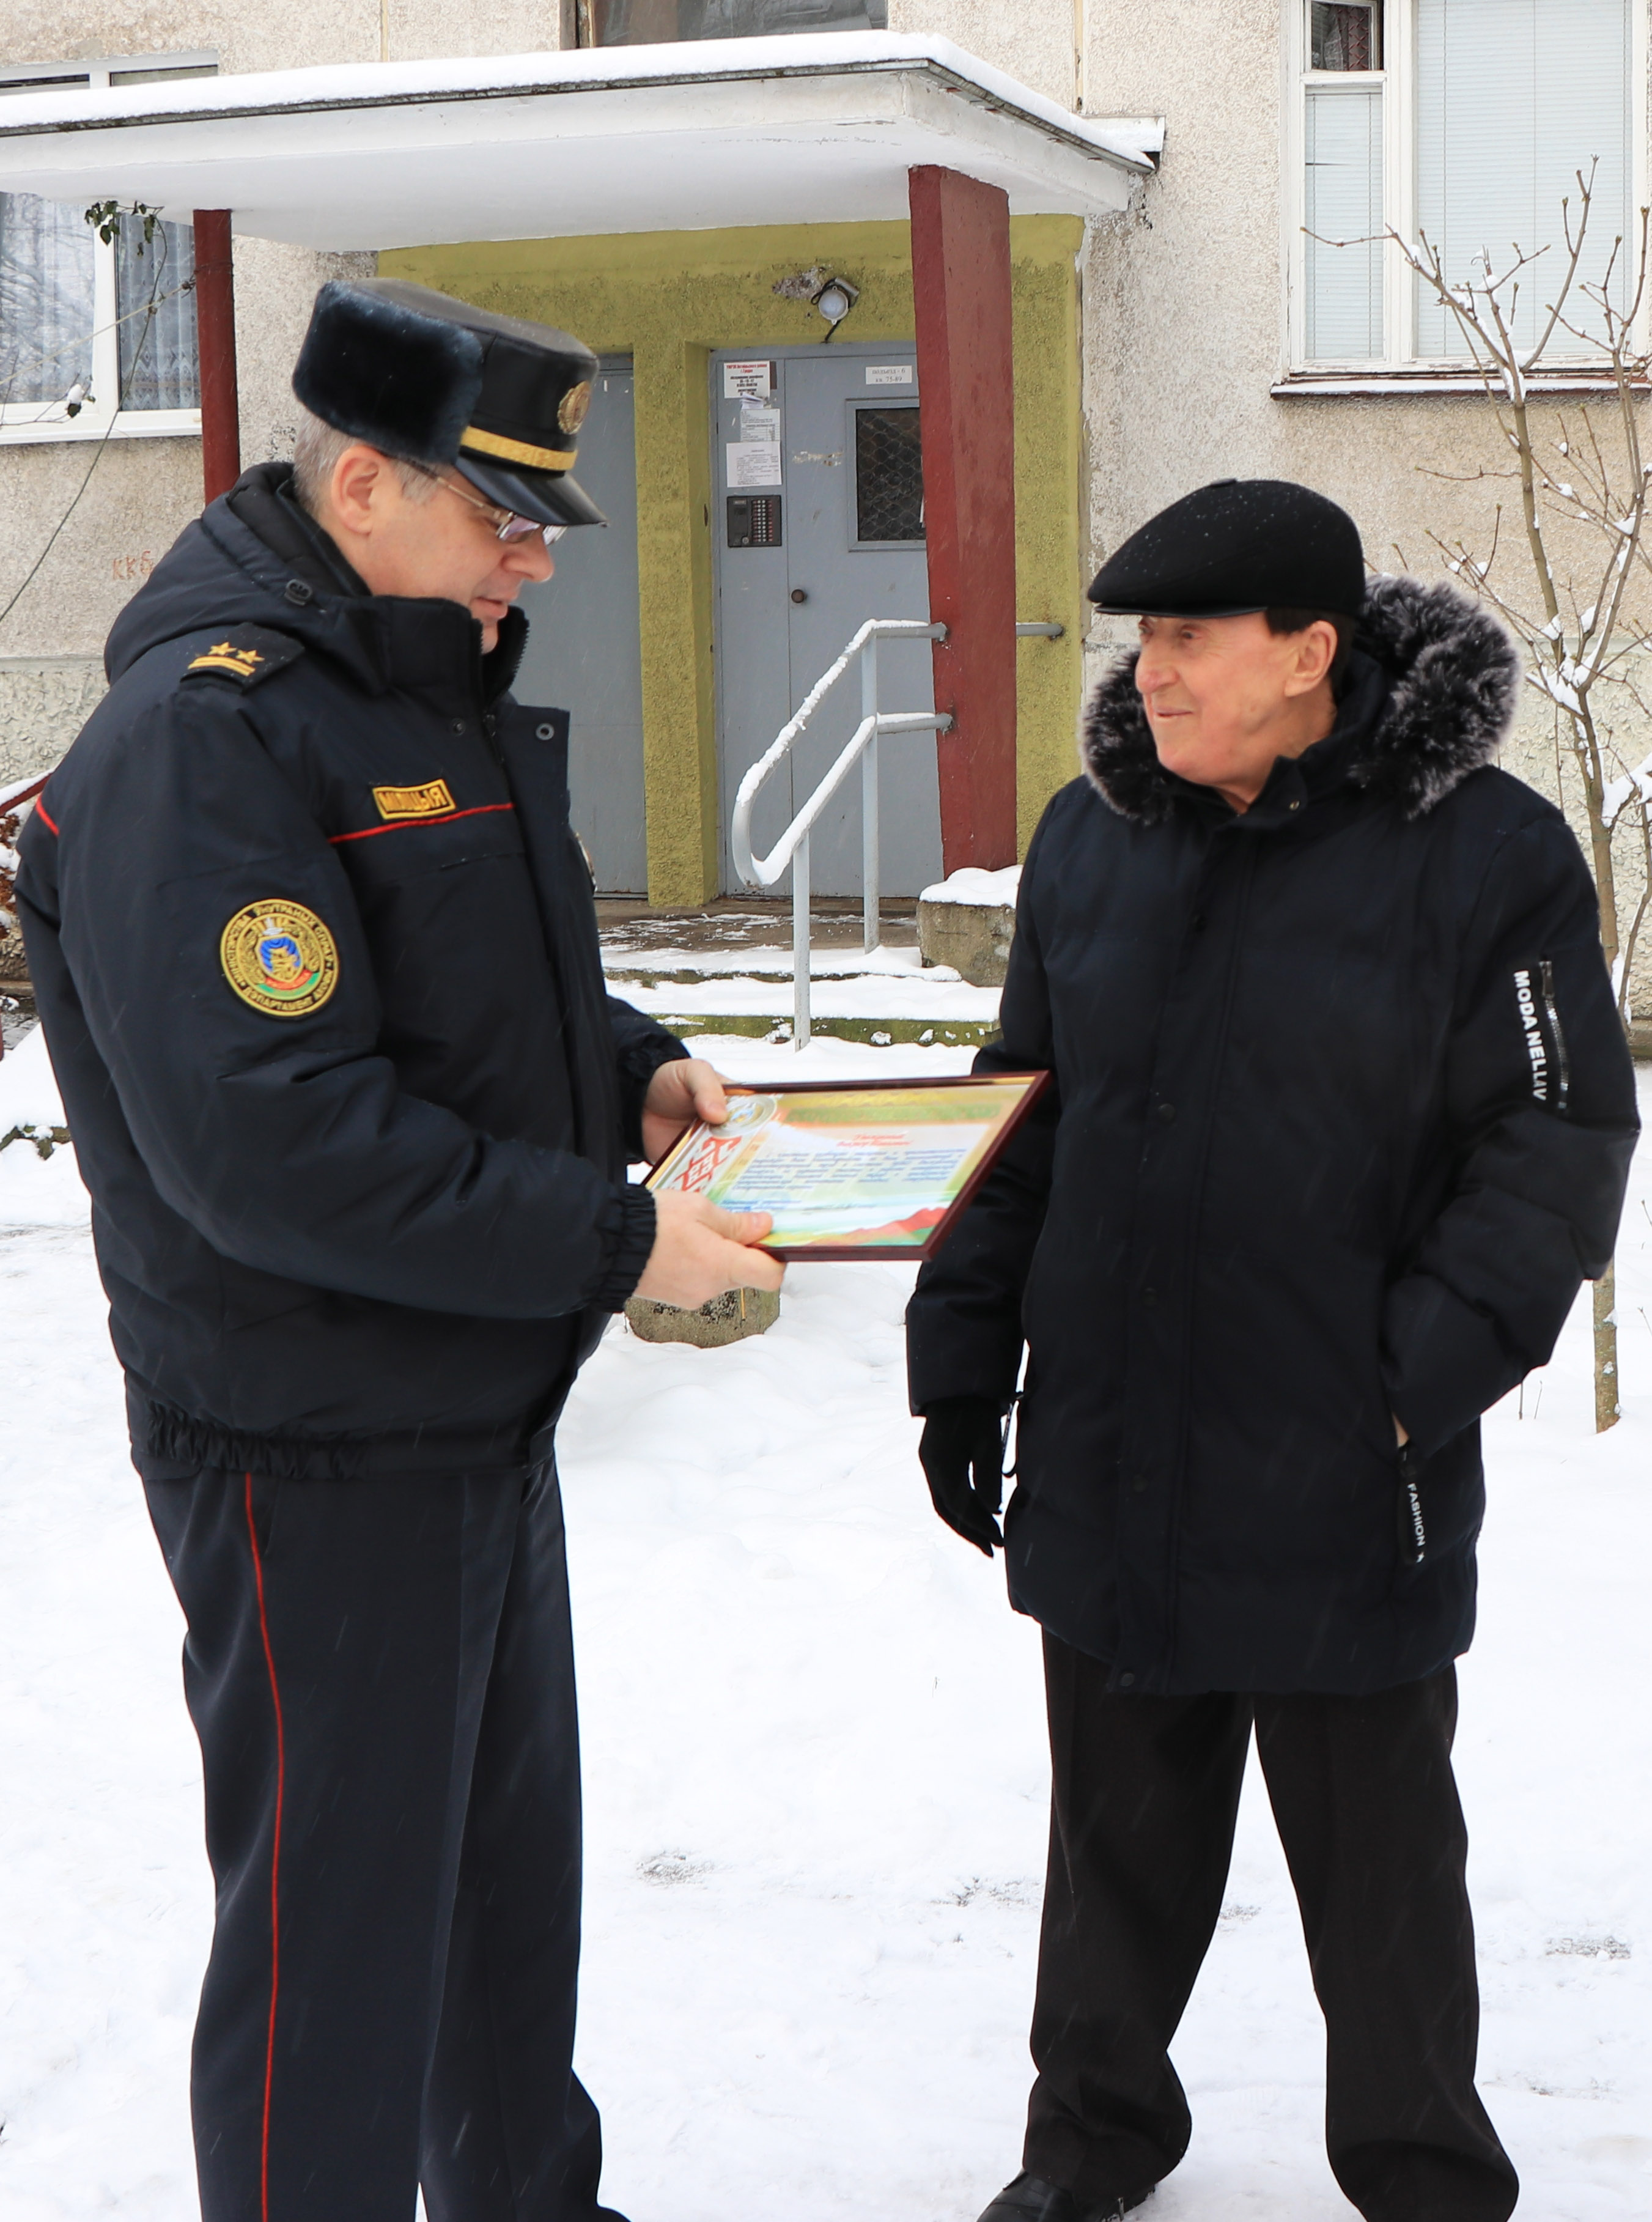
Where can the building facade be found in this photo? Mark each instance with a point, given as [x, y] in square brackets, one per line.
[1222, 301]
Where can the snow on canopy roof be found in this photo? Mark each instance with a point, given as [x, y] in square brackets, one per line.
[688, 137]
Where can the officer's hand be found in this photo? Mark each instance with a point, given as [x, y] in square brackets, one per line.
[962, 1452]
[701, 1251]
[686, 1089]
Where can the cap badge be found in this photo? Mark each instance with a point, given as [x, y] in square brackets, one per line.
[279, 957]
[571, 409]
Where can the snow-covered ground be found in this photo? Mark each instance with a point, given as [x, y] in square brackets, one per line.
[815, 1781]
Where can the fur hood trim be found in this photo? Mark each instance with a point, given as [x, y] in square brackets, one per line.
[1453, 679]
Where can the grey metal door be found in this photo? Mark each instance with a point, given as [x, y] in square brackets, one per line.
[585, 650]
[800, 567]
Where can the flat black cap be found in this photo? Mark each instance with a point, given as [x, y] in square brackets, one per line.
[435, 381]
[1240, 545]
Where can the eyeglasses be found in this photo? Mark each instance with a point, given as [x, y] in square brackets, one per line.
[507, 525]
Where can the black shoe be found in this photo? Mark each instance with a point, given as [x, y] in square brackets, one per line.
[1030, 2199]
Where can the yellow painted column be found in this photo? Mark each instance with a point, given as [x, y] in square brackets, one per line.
[1049, 469]
[673, 553]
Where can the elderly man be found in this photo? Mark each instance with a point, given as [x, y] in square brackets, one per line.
[317, 959]
[1342, 1115]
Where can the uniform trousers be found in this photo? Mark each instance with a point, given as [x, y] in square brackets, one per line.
[380, 1673]
[1145, 1794]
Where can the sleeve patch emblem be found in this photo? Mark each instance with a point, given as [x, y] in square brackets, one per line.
[279, 958]
[432, 801]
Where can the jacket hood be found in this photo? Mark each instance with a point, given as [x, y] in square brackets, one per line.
[1453, 677]
[253, 557]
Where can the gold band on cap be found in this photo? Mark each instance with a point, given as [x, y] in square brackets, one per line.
[518, 451]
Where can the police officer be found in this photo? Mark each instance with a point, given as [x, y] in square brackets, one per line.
[317, 960]
[1342, 1114]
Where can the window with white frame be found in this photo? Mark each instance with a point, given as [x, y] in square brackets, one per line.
[97, 336]
[1466, 122]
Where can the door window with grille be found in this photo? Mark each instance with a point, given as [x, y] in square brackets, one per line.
[889, 475]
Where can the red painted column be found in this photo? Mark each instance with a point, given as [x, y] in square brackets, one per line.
[215, 331]
[960, 281]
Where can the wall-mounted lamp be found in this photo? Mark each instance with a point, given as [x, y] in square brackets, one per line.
[833, 297]
[835, 301]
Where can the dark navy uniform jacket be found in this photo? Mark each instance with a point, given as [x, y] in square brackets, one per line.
[1342, 1113]
[317, 959]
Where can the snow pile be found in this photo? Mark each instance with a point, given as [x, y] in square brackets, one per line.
[886, 962]
[816, 1785]
[39, 1184]
[29, 1091]
[939, 995]
[971, 885]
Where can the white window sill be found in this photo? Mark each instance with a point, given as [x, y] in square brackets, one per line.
[1332, 384]
[130, 424]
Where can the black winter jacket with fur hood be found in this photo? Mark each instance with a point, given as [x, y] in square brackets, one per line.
[1342, 1115]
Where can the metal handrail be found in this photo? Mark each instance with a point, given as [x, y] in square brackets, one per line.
[793, 846]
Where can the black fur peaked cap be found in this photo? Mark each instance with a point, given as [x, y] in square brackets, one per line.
[435, 381]
[1239, 545]
[1454, 678]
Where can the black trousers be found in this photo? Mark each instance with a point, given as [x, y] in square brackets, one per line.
[1144, 1797]
[382, 1676]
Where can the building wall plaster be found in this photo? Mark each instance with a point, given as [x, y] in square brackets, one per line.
[1184, 335]
[1036, 43]
[296, 34]
[44, 702]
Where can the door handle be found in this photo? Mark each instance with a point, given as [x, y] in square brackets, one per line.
[799, 594]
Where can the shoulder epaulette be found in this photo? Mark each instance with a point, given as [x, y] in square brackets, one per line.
[247, 654]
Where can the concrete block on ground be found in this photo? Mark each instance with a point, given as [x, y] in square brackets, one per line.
[968, 921]
[727, 1318]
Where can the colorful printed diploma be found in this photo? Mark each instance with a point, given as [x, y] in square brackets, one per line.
[852, 1171]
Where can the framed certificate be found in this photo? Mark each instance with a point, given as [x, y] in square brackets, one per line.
[849, 1170]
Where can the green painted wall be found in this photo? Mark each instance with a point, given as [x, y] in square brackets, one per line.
[668, 299]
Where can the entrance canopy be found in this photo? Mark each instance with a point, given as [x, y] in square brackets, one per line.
[682, 137]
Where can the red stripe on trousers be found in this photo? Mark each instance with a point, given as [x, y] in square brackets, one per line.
[276, 1857]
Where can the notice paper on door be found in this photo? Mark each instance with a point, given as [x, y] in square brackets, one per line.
[752, 464]
[759, 421]
[745, 381]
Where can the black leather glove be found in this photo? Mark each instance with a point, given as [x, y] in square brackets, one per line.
[962, 1452]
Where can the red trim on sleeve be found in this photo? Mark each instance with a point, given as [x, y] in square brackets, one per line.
[408, 824]
[40, 811]
[276, 1857]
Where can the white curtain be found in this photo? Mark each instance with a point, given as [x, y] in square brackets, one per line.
[158, 353]
[1513, 99]
[1343, 146]
[46, 298]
